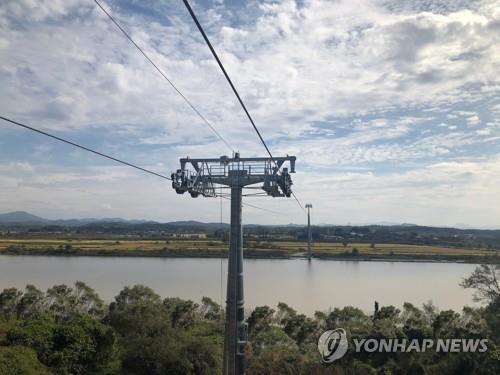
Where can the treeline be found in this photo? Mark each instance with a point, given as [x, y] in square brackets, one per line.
[70, 330]
[395, 234]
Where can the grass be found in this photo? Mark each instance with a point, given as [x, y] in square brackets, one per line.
[216, 248]
[402, 249]
[108, 245]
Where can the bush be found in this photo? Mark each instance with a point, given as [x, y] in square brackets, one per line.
[19, 360]
[81, 345]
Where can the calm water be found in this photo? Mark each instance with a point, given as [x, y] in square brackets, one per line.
[304, 286]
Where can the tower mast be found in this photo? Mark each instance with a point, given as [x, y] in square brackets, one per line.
[236, 173]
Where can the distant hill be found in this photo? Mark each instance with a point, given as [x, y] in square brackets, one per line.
[20, 217]
[25, 218]
[192, 223]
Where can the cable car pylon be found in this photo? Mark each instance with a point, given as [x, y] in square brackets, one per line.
[199, 177]
[309, 232]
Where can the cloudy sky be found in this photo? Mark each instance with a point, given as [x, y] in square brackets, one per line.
[391, 107]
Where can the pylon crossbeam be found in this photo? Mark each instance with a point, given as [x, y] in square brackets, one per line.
[198, 176]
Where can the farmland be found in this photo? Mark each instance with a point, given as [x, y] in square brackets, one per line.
[252, 248]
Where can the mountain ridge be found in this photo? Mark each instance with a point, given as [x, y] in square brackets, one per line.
[23, 218]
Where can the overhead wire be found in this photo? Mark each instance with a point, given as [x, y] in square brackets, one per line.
[84, 148]
[221, 66]
[200, 28]
[88, 149]
[127, 35]
[298, 202]
[256, 207]
[188, 102]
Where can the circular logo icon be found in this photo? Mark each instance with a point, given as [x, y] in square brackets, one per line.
[333, 345]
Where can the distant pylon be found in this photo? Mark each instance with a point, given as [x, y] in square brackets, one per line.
[309, 232]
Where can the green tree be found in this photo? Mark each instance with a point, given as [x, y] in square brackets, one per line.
[202, 345]
[134, 309]
[31, 303]
[350, 318]
[64, 301]
[300, 328]
[446, 324]
[182, 313]
[492, 316]
[277, 362]
[485, 280]
[80, 345]
[87, 301]
[19, 360]
[151, 344]
[9, 299]
[260, 318]
[272, 339]
[283, 313]
[386, 323]
[210, 310]
[430, 312]
[415, 324]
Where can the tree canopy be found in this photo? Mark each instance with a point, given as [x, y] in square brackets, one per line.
[70, 330]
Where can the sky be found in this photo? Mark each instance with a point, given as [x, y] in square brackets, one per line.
[392, 108]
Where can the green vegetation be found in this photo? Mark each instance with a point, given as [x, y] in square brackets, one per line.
[191, 239]
[69, 330]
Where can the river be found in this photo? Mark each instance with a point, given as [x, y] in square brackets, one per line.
[305, 286]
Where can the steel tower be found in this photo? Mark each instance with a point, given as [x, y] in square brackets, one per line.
[236, 173]
[309, 232]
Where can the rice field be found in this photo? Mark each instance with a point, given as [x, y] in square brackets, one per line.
[214, 247]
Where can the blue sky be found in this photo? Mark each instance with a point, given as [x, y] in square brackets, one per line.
[391, 107]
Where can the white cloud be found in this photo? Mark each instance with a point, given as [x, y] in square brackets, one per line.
[17, 167]
[439, 194]
[293, 65]
[40, 10]
[340, 84]
[483, 132]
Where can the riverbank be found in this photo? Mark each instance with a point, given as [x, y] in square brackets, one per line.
[253, 250]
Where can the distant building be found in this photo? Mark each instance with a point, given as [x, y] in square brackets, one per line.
[333, 238]
[272, 236]
[190, 235]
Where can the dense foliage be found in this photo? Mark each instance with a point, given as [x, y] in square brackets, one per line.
[69, 330]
